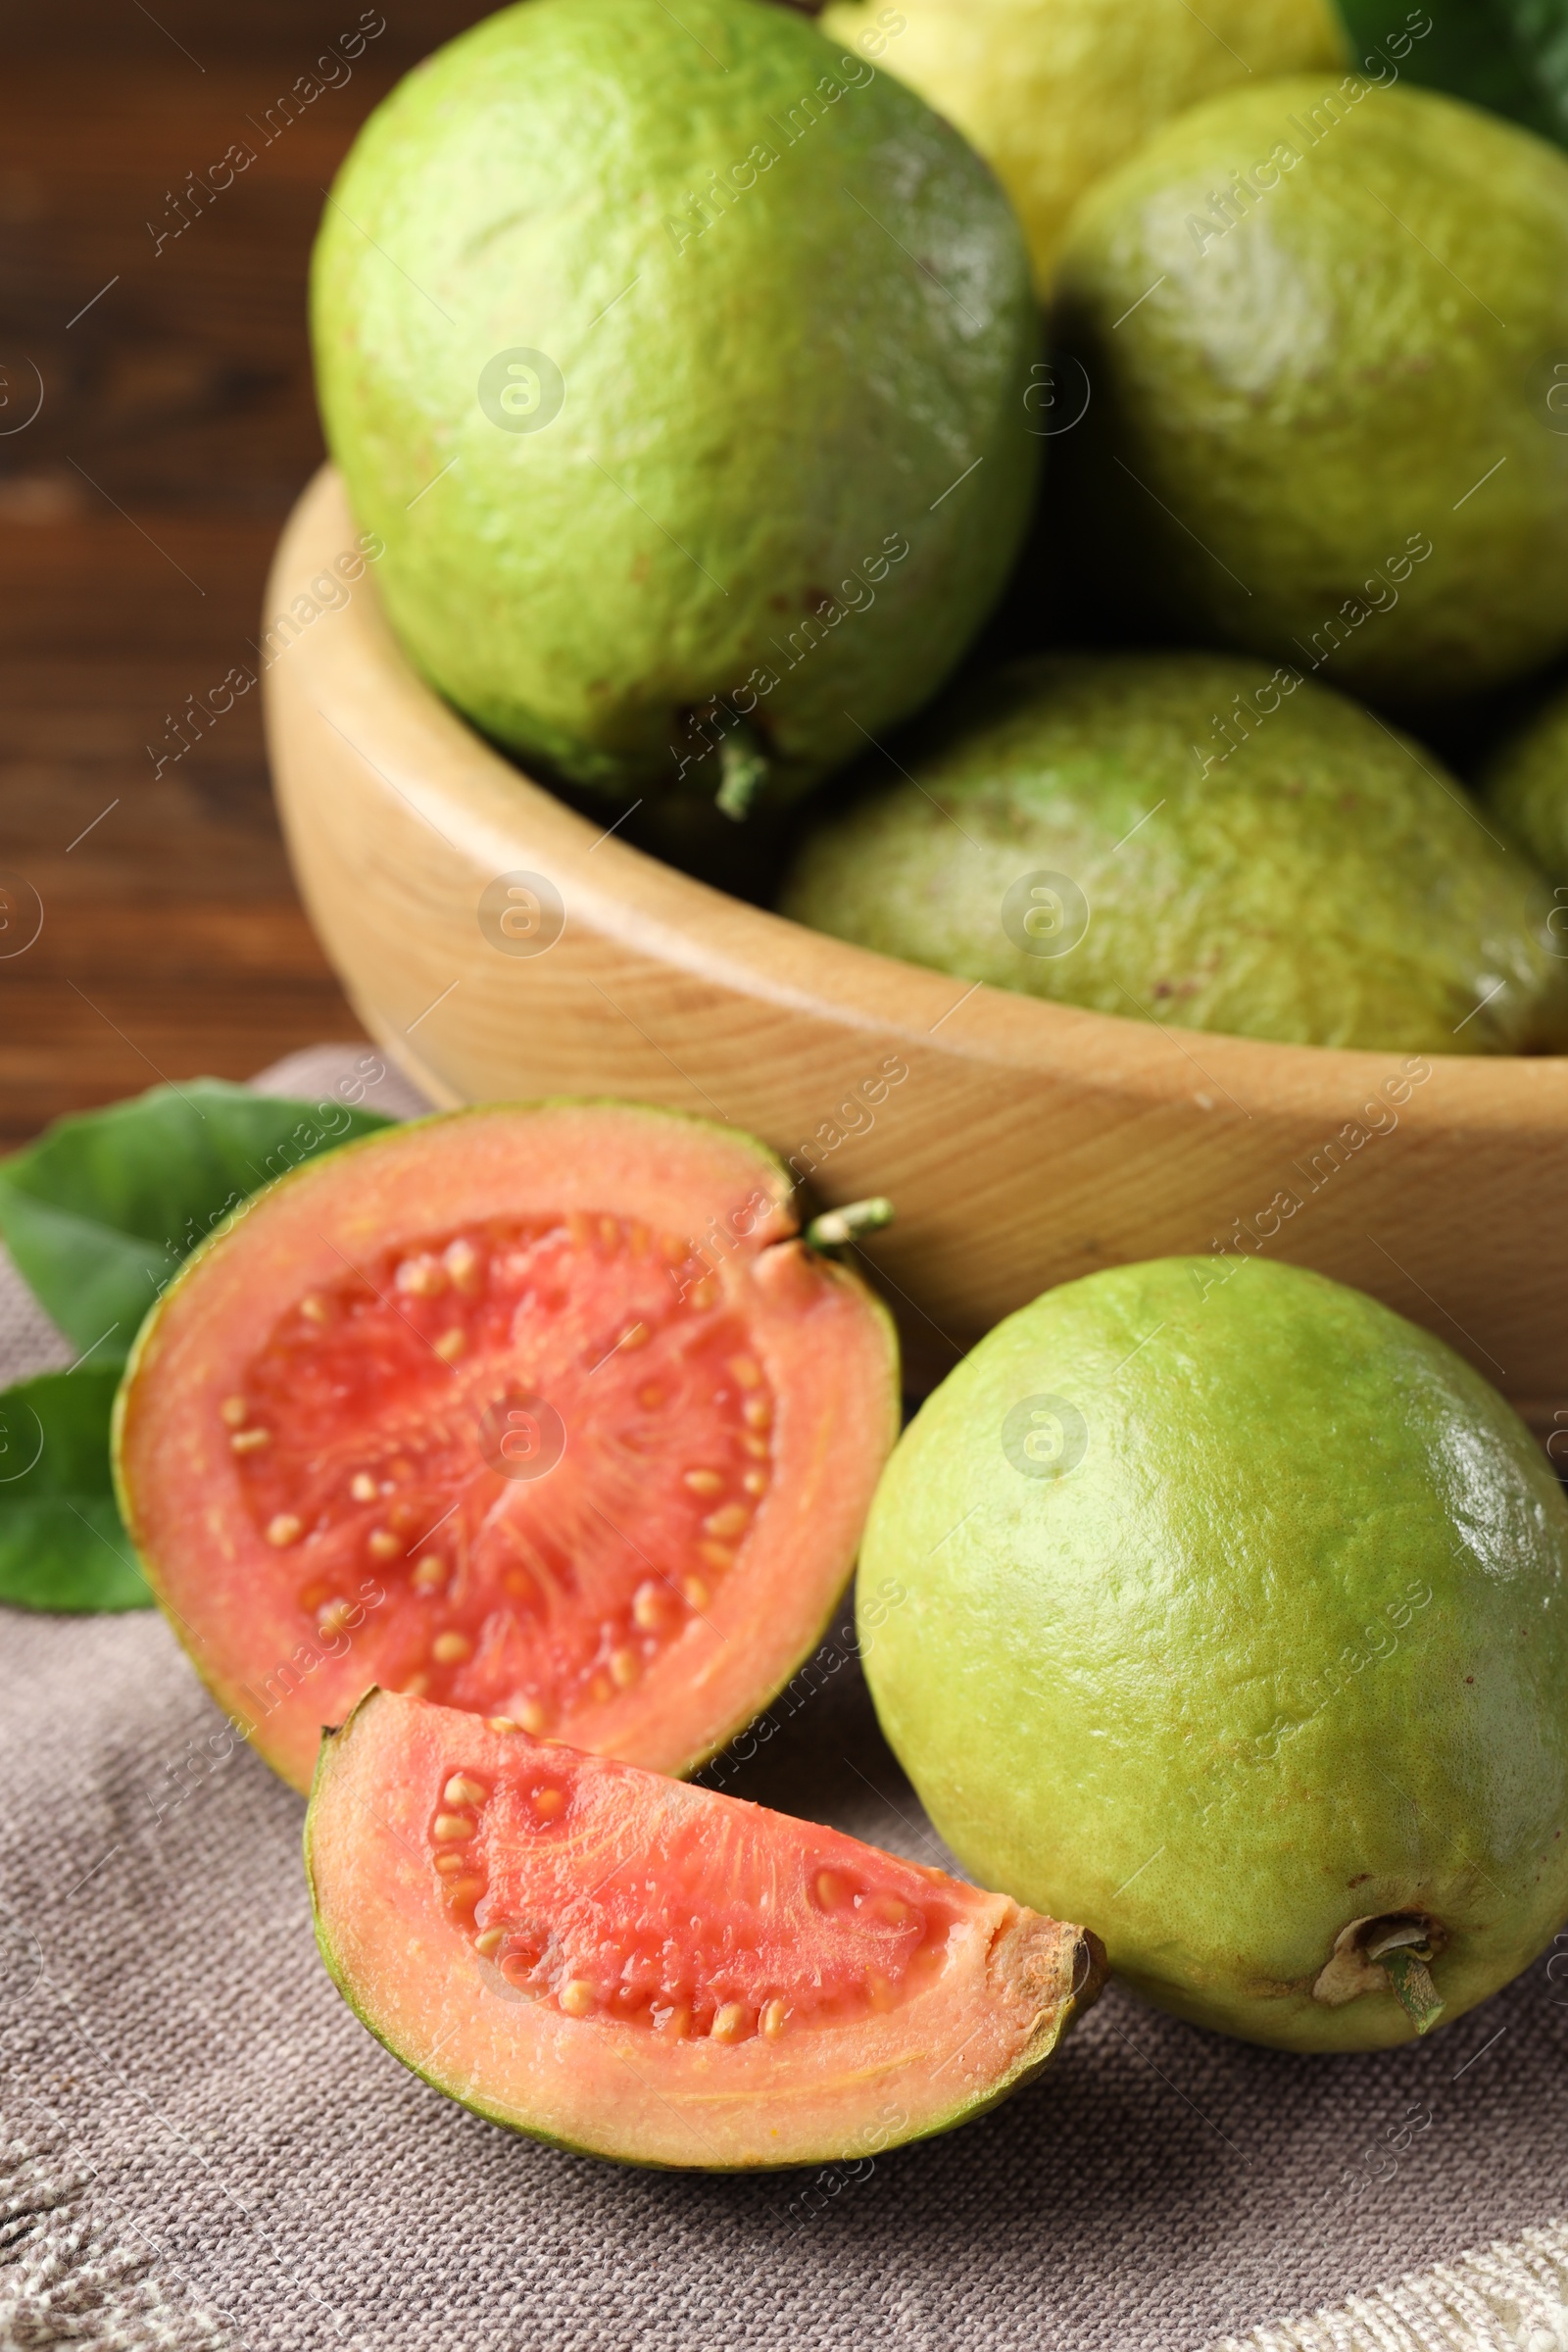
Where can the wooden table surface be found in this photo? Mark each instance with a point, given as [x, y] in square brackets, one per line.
[139, 509]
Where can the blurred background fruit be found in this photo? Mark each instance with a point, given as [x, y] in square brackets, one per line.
[1322, 322]
[1054, 93]
[1527, 787]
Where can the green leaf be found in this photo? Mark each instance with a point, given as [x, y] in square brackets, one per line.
[61, 1544]
[101, 1210]
[1508, 55]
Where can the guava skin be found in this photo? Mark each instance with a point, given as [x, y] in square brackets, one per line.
[744, 480]
[1269, 1637]
[1055, 93]
[1305, 875]
[1319, 424]
[1527, 787]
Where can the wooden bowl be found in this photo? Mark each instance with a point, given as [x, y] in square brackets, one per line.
[1022, 1142]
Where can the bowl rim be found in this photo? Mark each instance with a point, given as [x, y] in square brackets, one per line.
[489, 809]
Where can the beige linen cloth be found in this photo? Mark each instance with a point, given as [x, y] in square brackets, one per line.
[203, 2148]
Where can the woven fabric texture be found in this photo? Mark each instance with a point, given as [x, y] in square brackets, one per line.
[202, 2147]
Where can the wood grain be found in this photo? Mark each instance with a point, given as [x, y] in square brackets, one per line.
[139, 513]
[1024, 1144]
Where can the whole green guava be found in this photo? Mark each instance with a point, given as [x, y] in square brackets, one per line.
[1323, 322]
[1054, 93]
[680, 365]
[1224, 1610]
[1195, 839]
[1527, 787]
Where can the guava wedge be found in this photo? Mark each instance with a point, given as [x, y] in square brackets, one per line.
[636, 1969]
[538, 1410]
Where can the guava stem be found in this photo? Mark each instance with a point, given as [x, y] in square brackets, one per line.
[1411, 1980]
[837, 1228]
[745, 772]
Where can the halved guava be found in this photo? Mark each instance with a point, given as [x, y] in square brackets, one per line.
[637, 1969]
[538, 1410]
